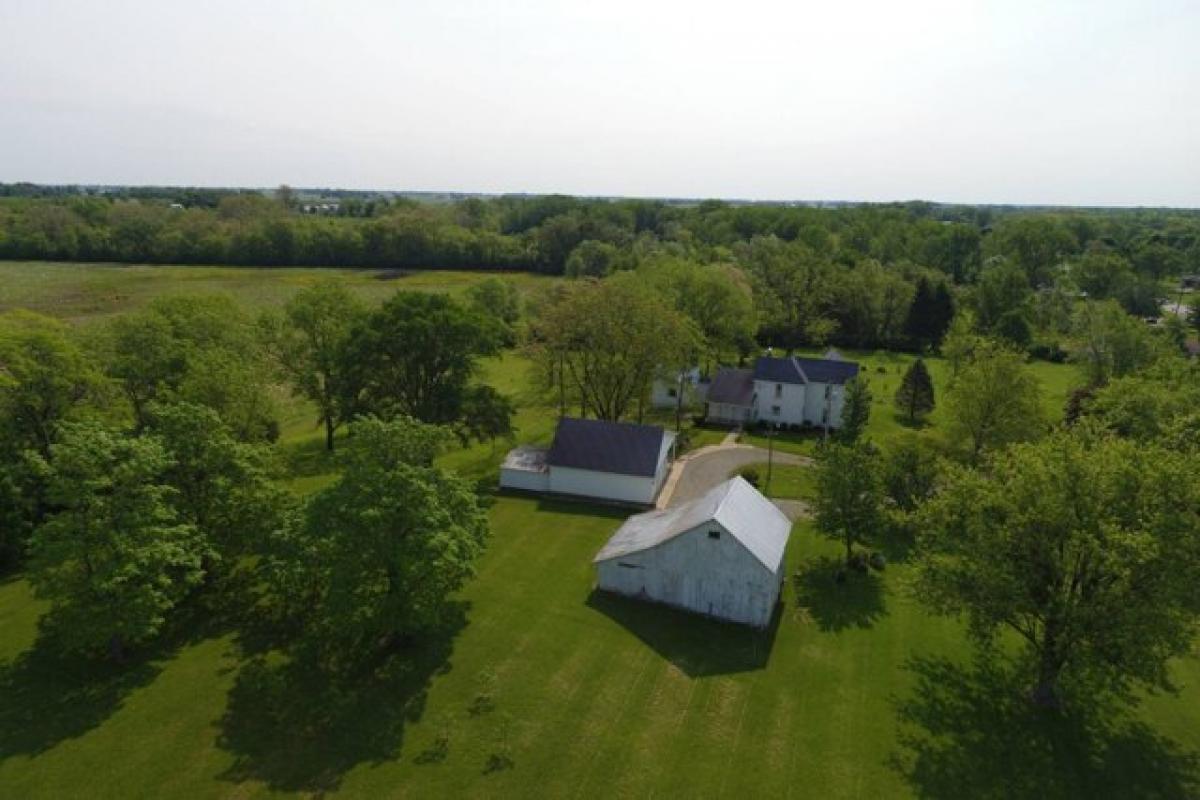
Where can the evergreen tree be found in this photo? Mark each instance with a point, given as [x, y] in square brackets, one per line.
[942, 313]
[856, 411]
[915, 395]
[919, 327]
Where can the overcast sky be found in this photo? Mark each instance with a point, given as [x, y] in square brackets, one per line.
[1021, 101]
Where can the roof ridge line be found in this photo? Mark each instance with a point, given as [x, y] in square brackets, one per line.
[800, 369]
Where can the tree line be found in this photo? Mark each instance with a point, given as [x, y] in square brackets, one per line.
[138, 478]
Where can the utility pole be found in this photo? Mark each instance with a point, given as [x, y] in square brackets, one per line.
[679, 404]
[770, 454]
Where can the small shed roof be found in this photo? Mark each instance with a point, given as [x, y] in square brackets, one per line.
[529, 459]
[600, 446]
[733, 387]
[736, 505]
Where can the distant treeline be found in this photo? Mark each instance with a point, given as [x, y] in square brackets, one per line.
[217, 226]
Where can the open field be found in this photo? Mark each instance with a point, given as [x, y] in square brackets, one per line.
[85, 292]
[544, 688]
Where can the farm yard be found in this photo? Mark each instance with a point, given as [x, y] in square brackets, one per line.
[544, 687]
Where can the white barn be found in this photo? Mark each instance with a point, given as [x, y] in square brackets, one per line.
[719, 555]
[612, 461]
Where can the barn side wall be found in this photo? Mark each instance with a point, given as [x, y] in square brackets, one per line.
[525, 479]
[607, 485]
[693, 571]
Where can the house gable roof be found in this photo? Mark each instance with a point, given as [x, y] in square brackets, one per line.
[778, 370]
[735, 505]
[600, 446]
[732, 387]
[794, 369]
[821, 370]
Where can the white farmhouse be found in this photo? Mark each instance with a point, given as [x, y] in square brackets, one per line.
[591, 458]
[719, 555]
[783, 391]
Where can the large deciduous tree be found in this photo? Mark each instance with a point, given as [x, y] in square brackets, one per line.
[416, 356]
[309, 344]
[224, 487]
[1086, 546]
[44, 378]
[993, 400]
[385, 546]
[717, 298]
[609, 339]
[848, 493]
[1110, 342]
[197, 348]
[115, 558]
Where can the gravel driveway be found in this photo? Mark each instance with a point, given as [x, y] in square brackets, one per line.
[705, 470]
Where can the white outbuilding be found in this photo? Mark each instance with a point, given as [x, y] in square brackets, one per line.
[720, 555]
[590, 458]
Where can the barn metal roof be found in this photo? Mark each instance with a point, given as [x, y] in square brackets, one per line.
[737, 506]
[600, 446]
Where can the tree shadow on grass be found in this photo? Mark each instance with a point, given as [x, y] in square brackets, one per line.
[696, 644]
[972, 732]
[49, 695]
[297, 728]
[857, 602]
[584, 507]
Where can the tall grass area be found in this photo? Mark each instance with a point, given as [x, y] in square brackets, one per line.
[87, 292]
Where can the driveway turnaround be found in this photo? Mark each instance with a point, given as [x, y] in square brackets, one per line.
[697, 472]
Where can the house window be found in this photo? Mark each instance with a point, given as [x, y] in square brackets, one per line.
[672, 393]
[714, 534]
[775, 411]
[779, 390]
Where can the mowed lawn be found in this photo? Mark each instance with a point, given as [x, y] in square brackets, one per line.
[541, 687]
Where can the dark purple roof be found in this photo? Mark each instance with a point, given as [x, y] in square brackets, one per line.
[732, 386]
[594, 444]
[779, 370]
[820, 370]
[802, 370]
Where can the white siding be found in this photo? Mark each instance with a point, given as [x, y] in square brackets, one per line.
[528, 480]
[718, 577]
[790, 400]
[604, 485]
[724, 412]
